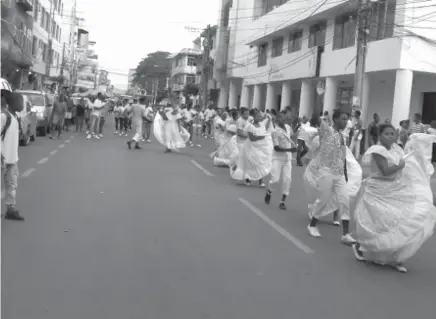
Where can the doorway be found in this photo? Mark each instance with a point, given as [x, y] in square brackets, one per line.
[428, 107]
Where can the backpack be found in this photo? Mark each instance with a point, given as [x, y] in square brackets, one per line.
[8, 123]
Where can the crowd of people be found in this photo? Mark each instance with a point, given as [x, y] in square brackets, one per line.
[392, 207]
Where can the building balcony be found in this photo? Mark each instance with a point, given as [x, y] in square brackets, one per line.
[177, 87]
[26, 5]
[184, 69]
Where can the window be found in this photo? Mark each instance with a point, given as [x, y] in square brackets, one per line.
[34, 46]
[344, 97]
[43, 17]
[262, 54]
[53, 29]
[36, 11]
[345, 31]
[190, 78]
[47, 22]
[382, 20]
[295, 41]
[317, 35]
[60, 34]
[192, 60]
[277, 47]
[270, 5]
[57, 60]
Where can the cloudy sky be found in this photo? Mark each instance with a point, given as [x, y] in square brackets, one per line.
[127, 30]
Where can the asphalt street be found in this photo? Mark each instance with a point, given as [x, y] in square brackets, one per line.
[112, 233]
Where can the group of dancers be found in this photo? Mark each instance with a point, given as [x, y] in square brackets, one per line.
[392, 207]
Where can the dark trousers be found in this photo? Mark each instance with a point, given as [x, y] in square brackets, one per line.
[79, 123]
[117, 124]
[301, 151]
[101, 124]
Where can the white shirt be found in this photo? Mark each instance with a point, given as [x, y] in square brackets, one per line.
[346, 131]
[97, 107]
[302, 133]
[148, 111]
[9, 145]
[209, 113]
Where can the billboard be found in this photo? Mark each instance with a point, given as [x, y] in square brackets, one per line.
[103, 77]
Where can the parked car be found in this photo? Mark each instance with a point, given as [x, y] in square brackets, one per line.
[4, 85]
[28, 121]
[43, 105]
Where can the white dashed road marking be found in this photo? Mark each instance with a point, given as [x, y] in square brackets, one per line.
[43, 160]
[201, 168]
[62, 146]
[53, 152]
[298, 243]
[28, 172]
[67, 141]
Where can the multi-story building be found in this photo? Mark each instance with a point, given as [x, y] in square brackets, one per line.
[47, 27]
[16, 42]
[184, 69]
[281, 51]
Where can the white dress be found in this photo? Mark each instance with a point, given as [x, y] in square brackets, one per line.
[255, 158]
[395, 214]
[227, 153]
[167, 132]
[219, 131]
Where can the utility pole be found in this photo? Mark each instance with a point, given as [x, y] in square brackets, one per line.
[61, 79]
[206, 55]
[363, 12]
[50, 41]
[72, 41]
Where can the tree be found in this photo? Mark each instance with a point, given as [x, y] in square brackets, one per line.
[155, 68]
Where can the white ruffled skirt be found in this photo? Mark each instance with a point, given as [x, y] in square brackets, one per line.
[254, 161]
[168, 134]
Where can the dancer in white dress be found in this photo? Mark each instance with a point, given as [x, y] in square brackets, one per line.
[395, 214]
[255, 156]
[226, 154]
[169, 131]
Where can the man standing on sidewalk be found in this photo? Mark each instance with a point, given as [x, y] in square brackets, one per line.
[10, 133]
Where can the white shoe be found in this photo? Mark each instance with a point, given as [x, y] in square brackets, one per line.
[401, 268]
[262, 185]
[101, 135]
[88, 137]
[198, 145]
[336, 223]
[357, 253]
[97, 137]
[116, 132]
[148, 141]
[313, 231]
[348, 239]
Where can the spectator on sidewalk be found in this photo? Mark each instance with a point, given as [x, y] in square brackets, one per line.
[373, 130]
[9, 154]
[80, 115]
